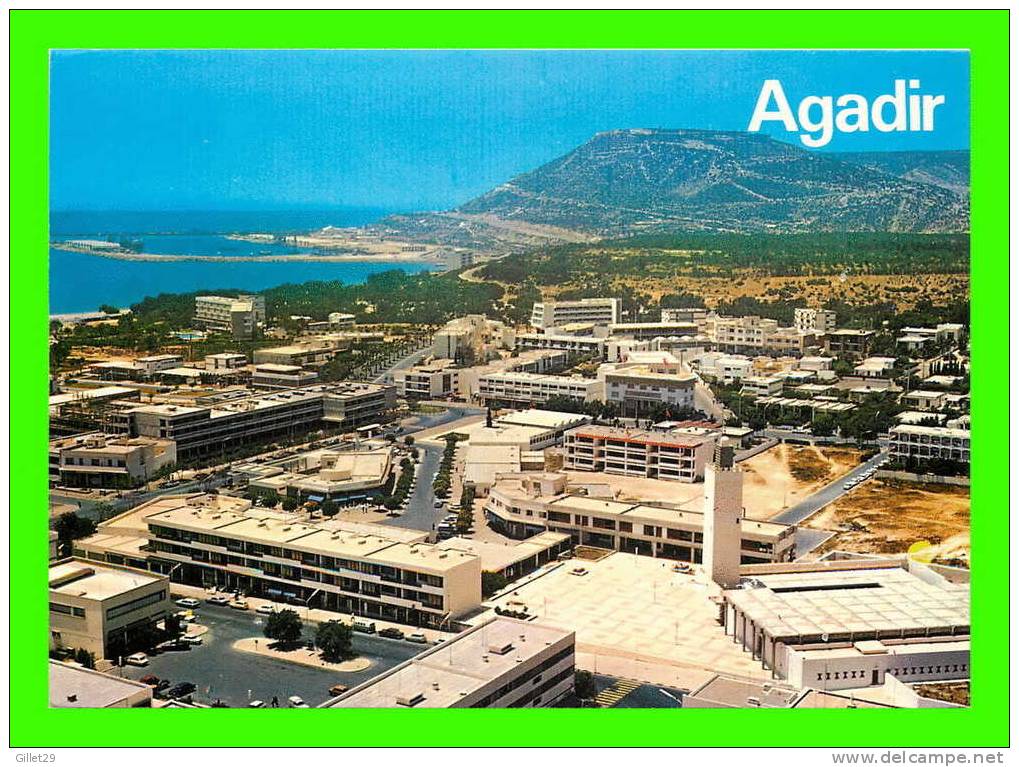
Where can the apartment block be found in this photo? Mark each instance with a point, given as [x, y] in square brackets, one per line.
[464, 339]
[639, 388]
[814, 320]
[314, 352]
[272, 376]
[637, 453]
[225, 361]
[909, 441]
[533, 388]
[101, 460]
[240, 316]
[588, 345]
[523, 505]
[368, 570]
[684, 315]
[502, 663]
[437, 379]
[598, 311]
[104, 609]
[848, 342]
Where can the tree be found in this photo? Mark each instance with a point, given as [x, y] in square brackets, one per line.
[334, 639]
[284, 627]
[492, 583]
[408, 440]
[85, 658]
[71, 527]
[330, 508]
[583, 684]
[290, 503]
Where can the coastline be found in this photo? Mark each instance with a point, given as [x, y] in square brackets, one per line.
[397, 258]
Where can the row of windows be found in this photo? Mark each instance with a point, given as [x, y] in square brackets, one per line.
[77, 612]
[532, 677]
[136, 604]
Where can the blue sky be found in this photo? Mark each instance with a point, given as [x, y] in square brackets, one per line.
[178, 130]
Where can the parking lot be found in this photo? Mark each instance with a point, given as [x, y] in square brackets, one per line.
[235, 677]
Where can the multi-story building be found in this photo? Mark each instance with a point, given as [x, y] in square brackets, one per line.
[649, 330]
[533, 388]
[317, 351]
[464, 339]
[437, 379]
[598, 311]
[588, 345]
[502, 663]
[762, 386]
[814, 320]
[526, 504]
[725, 368]
[368, 570]
[198, 431]
[240, 316]
[848, 342]
[637, 453]
[104, 609]
[101, 460]
[876, 367]
[914, 442]
[684, 315]
[923, 399]
[272, 376]
[639, 388]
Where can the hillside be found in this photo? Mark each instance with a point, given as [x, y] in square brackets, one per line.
[630, 182]
[949, 169]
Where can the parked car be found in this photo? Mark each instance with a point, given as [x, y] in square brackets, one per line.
[338, 689]
[191, 639]
[417, 638]
[239, 604]
[296, 701]
[265, 609]
[218, 599]
[137, 659]
[150, 679]
[391, 633]
[187, 602]
[173, 645]
[363, 625]
[257, 704]
[438, 503]
[181, 690]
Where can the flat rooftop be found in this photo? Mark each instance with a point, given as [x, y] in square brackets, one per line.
[441, 676]
[91, 580]
[76, 687]
[887, 599]
[641, 436]
[499, 556]
[548, 419]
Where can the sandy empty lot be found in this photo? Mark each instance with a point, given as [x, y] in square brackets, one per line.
[786, 474]
[886, 517]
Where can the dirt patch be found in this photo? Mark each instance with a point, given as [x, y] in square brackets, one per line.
[786, 474]
[950, 692]
[888, 517]
[300, 655]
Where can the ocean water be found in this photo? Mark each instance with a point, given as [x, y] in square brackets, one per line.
[80, 282]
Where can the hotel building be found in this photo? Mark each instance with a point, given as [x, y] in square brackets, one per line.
[597, 311]
[911, 442]
[637, 453]
[240, 316]
[533, 388]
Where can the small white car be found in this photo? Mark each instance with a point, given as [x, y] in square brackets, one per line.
[257, 704]
[219, 599]
[239, 604]
[138, 659]
[265, 609]
[191, 639]
[417, 638]
[296, 701]
[187, 602]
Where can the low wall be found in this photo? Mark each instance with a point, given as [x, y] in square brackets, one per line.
[934, 479]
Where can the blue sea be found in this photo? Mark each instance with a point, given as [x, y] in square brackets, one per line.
[80, 282]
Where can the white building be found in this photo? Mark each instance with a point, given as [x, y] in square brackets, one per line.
[666, 455]
[103, 609]
[102, 460]
[239, 316]
[533, 388]
[638, 388]
[437, 379]
[876, 367]
[502, 663]
[909, 441]
[598, 311]
[814, 320]
[225, 361]
[272, 376]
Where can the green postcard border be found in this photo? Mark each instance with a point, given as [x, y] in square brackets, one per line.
[33, 33]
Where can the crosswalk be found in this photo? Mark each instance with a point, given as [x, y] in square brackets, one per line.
[610, 696]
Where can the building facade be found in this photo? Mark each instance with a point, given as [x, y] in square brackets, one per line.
[533, 388]
[913, 442]
[636, 453]
[598, 311]
[239, 316]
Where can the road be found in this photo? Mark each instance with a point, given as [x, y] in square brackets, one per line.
[420, 512]
[705, 401]
[409, 361]
[219, 671]
[830, 492]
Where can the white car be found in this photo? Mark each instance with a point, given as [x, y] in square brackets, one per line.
[138, 659]
[416, 638]
[187, 602]
[191, 639]
[257, 704]
[265, 609]
[296, 701]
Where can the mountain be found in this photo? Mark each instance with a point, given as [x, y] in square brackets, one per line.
[628, 182]
[948, 169]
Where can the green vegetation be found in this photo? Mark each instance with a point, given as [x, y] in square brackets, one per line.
[396, 497]
[284, 627]
[465, 517]
[443, 479]
[70, 527]
[492, 583]
[720, 255]
[334, 639]
[583, 684]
